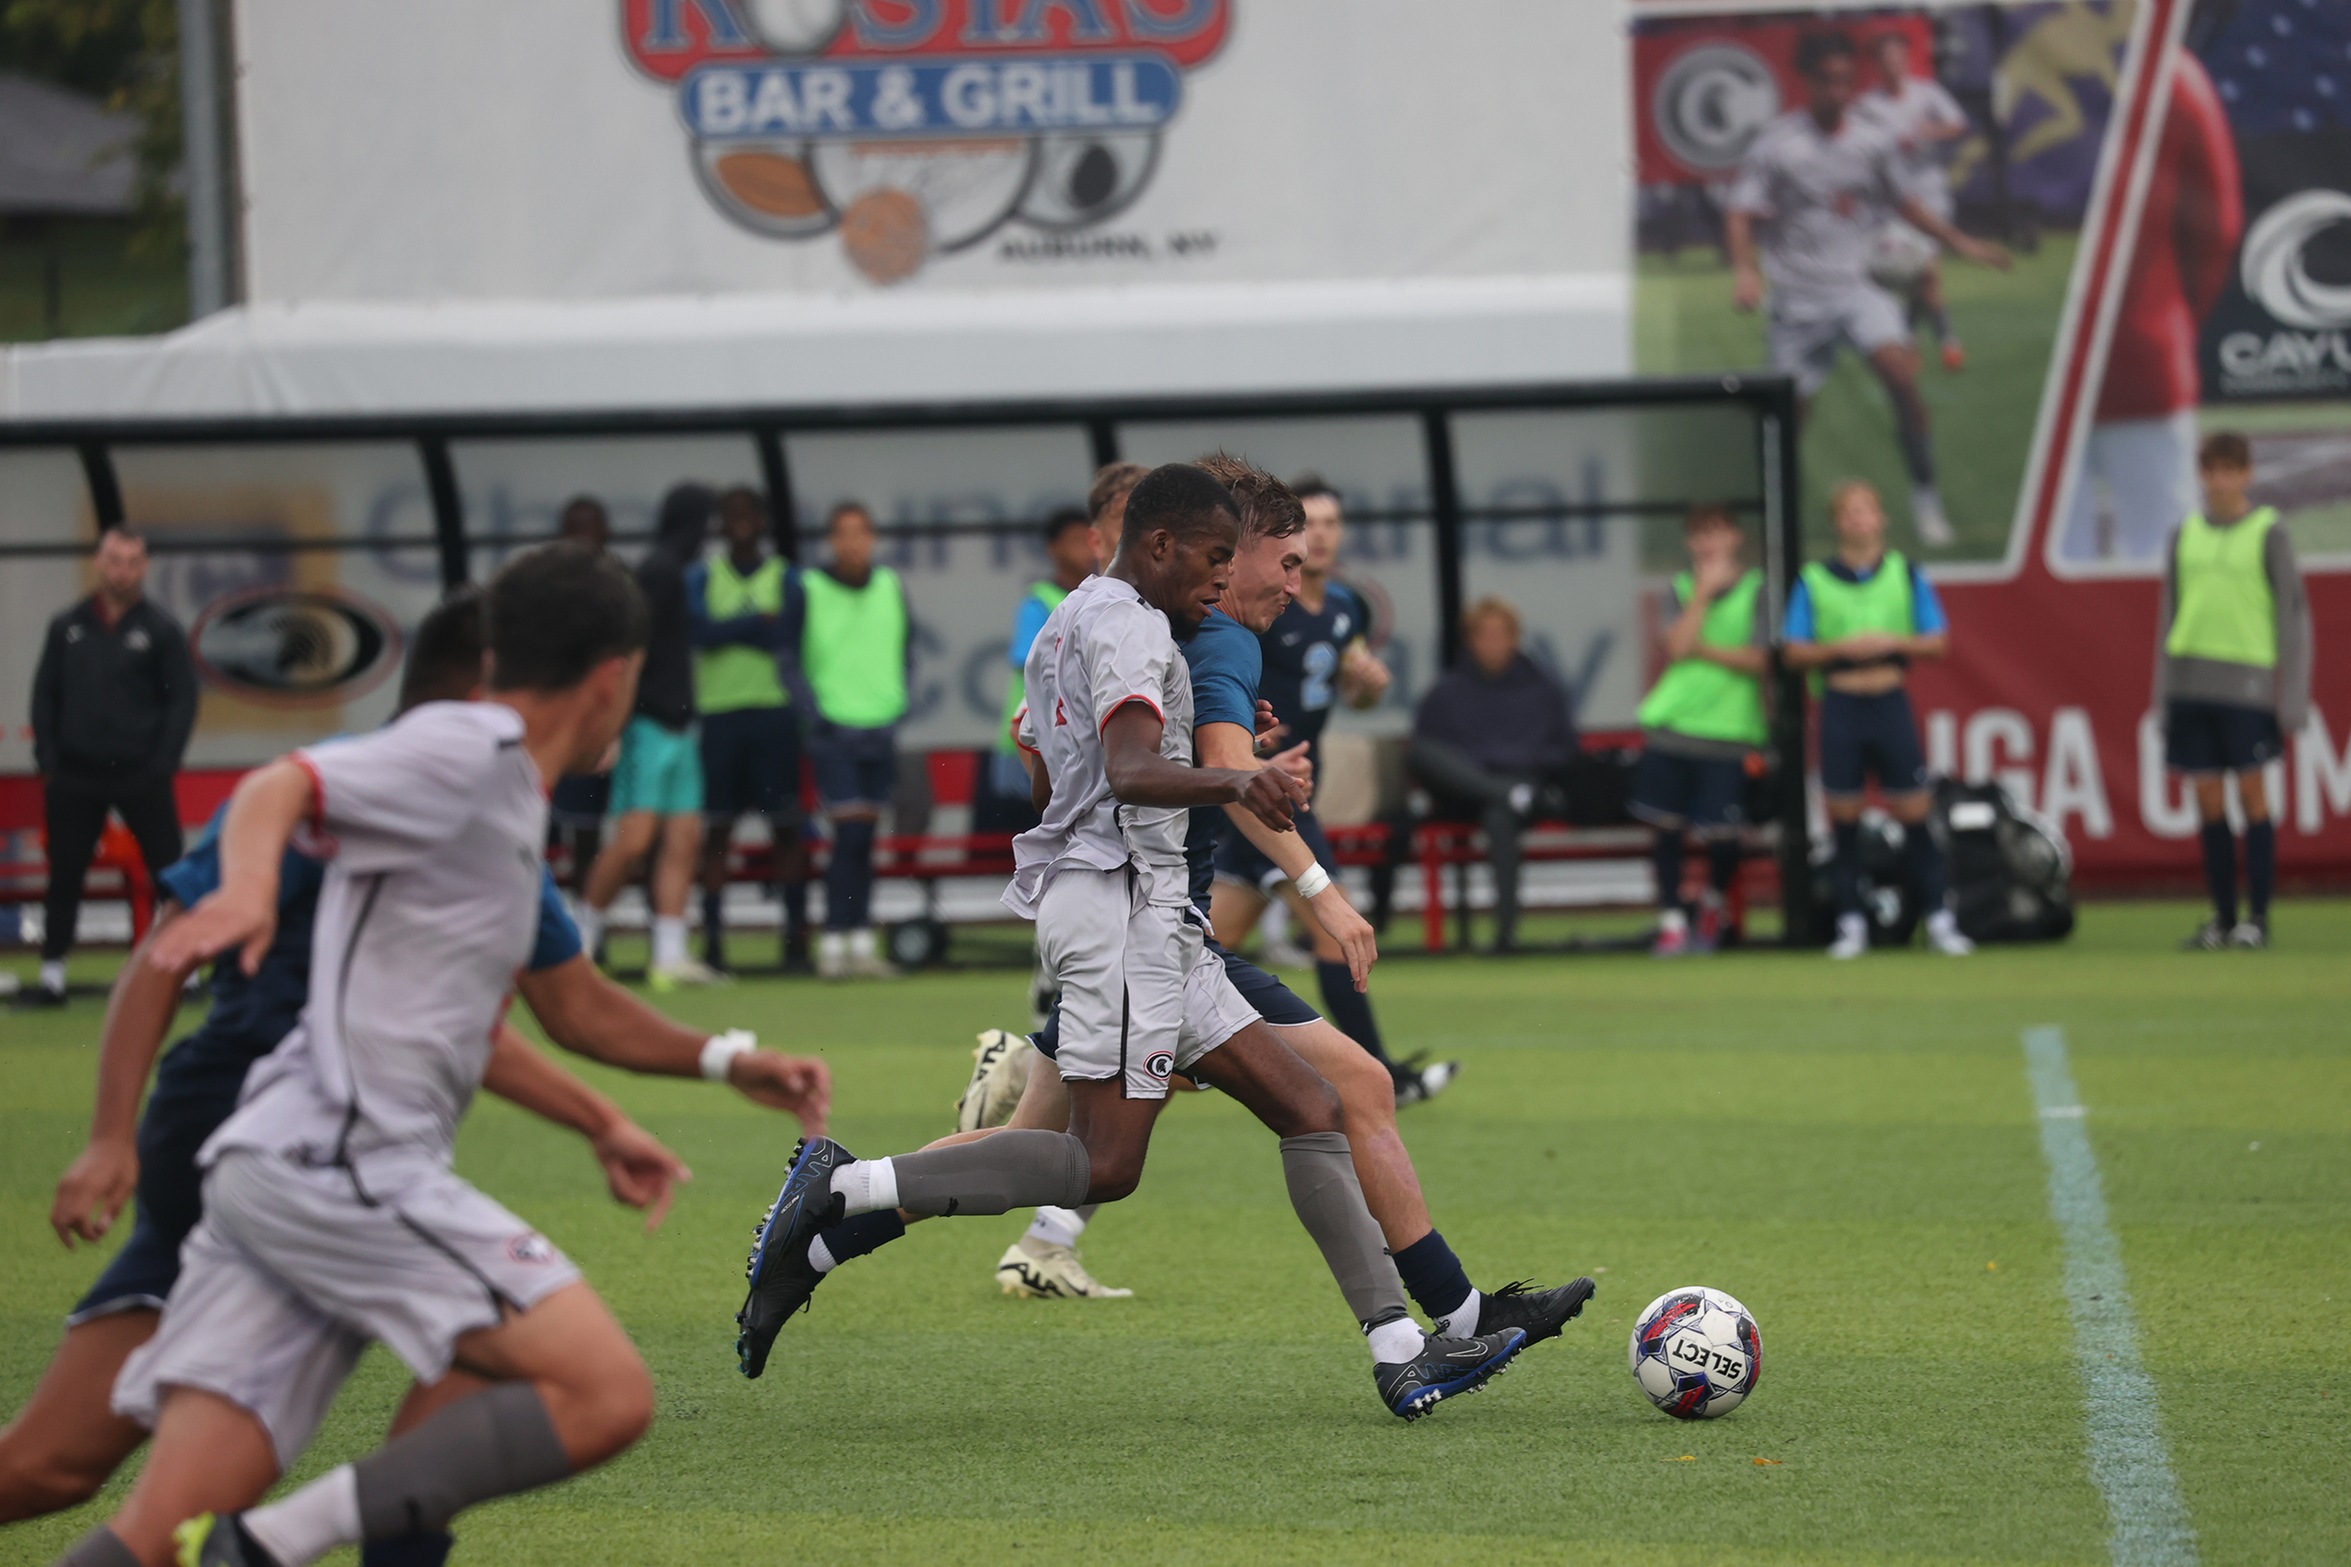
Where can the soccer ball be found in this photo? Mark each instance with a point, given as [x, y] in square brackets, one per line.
[1696, 1353]
[1900, 255]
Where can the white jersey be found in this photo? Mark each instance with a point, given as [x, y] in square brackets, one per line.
[1922, 105]
[433, 828]
[1820, 199]
[1101, 648]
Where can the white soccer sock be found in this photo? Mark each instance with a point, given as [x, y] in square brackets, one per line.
[53, 974]
[591, 922]
[311, 1522]
[819, 1258]
[669, 940]
[1056, 1226]
[1462, 1320]
[866, 1186]
[1393, 1343]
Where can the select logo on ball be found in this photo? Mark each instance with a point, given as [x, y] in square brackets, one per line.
[918, 130]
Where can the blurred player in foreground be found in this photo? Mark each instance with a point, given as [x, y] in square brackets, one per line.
[1700, 723]
[1813, 190]
[1106, 877]
[2232, 677]
[1859, 618]
[1314, 655]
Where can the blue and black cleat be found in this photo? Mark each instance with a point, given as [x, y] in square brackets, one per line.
[782, 1278]
[1445, 1368]
[1541, 1313]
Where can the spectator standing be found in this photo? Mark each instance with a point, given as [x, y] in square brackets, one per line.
[114, 700]
[1700, 723]
[743, 611]
[1858, 619]
[657, 782]
[1494, 738]
[1069, 546]
[854, 648]
[575, 813]
[2232, 676]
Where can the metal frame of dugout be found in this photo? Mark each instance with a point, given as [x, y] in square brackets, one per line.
[1769, 400]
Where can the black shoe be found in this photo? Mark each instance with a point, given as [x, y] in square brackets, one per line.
[2211, 936]
[218, 1540]
[1445, 1368]
[1540, 1314]
[782, 1279]
[1419, 1079]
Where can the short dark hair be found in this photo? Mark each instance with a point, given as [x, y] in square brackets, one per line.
[580, 514]
[1709, 514]
[1268, 509]
[1181, 498]
[1310, 484]
[123, 531]
[2225, 449]
[445, 655]
[740, 497]
[1111, 481]
[1063, 518]
[844, 508]
[554, 613]
[1815, 50]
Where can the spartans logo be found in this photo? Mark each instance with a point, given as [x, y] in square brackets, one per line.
[1160, 1065]
[914, 128]
[531, 1249]
[295, 647]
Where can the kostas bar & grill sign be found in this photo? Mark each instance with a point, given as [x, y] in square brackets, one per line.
[918, 127]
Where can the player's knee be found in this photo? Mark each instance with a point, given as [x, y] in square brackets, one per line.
[1113, 1174]
[609, 1412]
[1367, 1094]
[1313, 1105]
[35, 1480]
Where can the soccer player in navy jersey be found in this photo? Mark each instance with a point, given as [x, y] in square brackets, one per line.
[1316, 654]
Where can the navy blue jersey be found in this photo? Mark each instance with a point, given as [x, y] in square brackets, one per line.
[1226, 669]
[1301, 664]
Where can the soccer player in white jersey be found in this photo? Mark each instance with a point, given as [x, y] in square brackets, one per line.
[332, 1217]
[1924, 119]
[1812, 192]
[1109, 712]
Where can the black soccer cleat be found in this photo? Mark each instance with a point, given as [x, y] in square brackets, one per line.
[217, 1540]
[1418, 1079]
[1445, 1368]
[1540, 1314]
[782, 1278]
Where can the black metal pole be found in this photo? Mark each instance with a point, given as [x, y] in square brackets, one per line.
[1102, 434]
[440, 477]
[1783, 524]
[783, 519]
[1445, 511]
[105, 489]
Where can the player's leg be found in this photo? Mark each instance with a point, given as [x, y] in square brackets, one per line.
[1927, 293]
[1901, 769]
[1873, 324]
[1717, 813]
[67, 1440]
[1841, 783]
[1661, 789]
[1044, 1263]
[677, 857]
[2261, 847]
[727, 791]
[151, 811]
[625, 846]
[2195, 744]
[778, 784]
[1348, 1007]
[424, 1548]
[73, 816]
[208, 1455]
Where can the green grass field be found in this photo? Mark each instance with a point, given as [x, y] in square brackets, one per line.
[1853, 1151]
[1982, 417]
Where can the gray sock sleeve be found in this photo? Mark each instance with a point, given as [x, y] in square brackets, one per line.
[496, 1443]
[1015, 1169]
[101, 1547]
[1329, 1200]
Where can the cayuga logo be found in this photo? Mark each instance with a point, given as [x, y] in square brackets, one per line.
[915, 128]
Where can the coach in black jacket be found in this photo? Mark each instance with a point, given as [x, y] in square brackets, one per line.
[113, 702]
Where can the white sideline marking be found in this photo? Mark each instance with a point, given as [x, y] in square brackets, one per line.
[2128, 1460]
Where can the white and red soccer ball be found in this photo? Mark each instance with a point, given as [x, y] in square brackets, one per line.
[1696, 1353]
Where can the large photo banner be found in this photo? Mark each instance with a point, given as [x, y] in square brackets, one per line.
[2053, 247]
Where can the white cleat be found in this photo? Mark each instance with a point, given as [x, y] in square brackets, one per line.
[1943, 934]
[832, 955]
[1035, 1270]
[1852, 938]
[865, 960]
[1000, 1067]
[685, 971]
[1926, 516]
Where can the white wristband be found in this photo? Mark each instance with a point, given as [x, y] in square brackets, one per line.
[1313, 882]
[719, 1051]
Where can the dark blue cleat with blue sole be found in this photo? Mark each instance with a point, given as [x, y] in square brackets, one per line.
[782, 1278]
[1445, 1368]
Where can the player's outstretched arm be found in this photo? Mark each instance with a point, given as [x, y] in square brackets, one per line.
[1948, 235]
[589, 1015]
[641, 1172]
[1226, 745]
[1139, 775]
[243, 913]
[138, 1014]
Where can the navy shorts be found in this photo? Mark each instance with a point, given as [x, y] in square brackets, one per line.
[2213, 737]
[1872, 736]
[1267, 996]
[185, 1109]
[1239, 860]
[580, 799]
[1704, 793]
[853, 766]
[751, 761]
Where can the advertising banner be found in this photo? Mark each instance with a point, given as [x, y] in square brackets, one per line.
[2151, 215]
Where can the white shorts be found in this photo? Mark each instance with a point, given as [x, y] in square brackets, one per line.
[1141, 995]
[1806, 333]
[292, 1273]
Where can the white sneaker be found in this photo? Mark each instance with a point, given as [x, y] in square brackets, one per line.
[1037, 1270]
[1000, 1068]
[684, 971]
[865, 957]
[1944, 936]
[1852, 937]
[1926, 517]
[832, 955]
